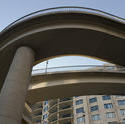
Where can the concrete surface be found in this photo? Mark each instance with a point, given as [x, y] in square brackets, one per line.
[13, 93]
[61, 85]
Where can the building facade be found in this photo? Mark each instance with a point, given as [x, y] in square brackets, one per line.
[94, 109]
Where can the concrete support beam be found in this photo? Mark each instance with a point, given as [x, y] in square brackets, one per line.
[13, 93]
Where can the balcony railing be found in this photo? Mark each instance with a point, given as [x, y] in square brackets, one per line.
[65, 107]
[37, 114]
[55, 119]
[51, 112]
[66, 115]
[36, 107]
[65, 9]
[53, 104]
[65, 99]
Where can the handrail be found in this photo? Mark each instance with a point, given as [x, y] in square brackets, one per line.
[73, 66]
[85, 68]
[66, 9]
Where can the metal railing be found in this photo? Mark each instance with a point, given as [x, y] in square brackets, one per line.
[66, 9]
[81, 68]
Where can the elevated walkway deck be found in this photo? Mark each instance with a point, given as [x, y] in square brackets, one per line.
[75, 83]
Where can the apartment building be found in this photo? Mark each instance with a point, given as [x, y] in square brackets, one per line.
[94, 109]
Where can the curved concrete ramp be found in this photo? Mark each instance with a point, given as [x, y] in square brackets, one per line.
[75, 84]
[64, 31]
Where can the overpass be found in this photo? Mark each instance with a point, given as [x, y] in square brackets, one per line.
[49, 33]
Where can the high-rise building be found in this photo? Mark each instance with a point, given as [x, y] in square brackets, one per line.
[95, 109]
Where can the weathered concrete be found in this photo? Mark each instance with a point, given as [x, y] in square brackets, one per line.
[14, 90]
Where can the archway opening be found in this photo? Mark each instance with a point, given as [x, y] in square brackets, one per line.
[69, 63]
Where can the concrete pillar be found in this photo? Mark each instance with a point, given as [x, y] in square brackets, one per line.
[13, 93]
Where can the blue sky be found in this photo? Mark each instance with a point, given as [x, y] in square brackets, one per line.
[11, 10]
[69, 61]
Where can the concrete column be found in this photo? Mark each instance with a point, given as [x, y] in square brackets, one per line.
[13, 93]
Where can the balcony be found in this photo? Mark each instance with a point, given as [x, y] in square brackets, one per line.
[66, 115]
[66, 121]
[52, 103]
[65, 99]
[37, 114]
[66, 107]
[52, 117]
[54, 111]
[53, 120]
[36, 107]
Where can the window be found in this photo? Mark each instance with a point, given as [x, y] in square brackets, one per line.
[95, 117]
[94, 108]
[80, 110]
[93, 100]
[80, 120]
[76, 96]
[121, 102]
[46, 103]
[45, 109]
[45, 116]
[122, 111]
[110, 115]
[106, 97]
[108, 106]
[78, 102]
